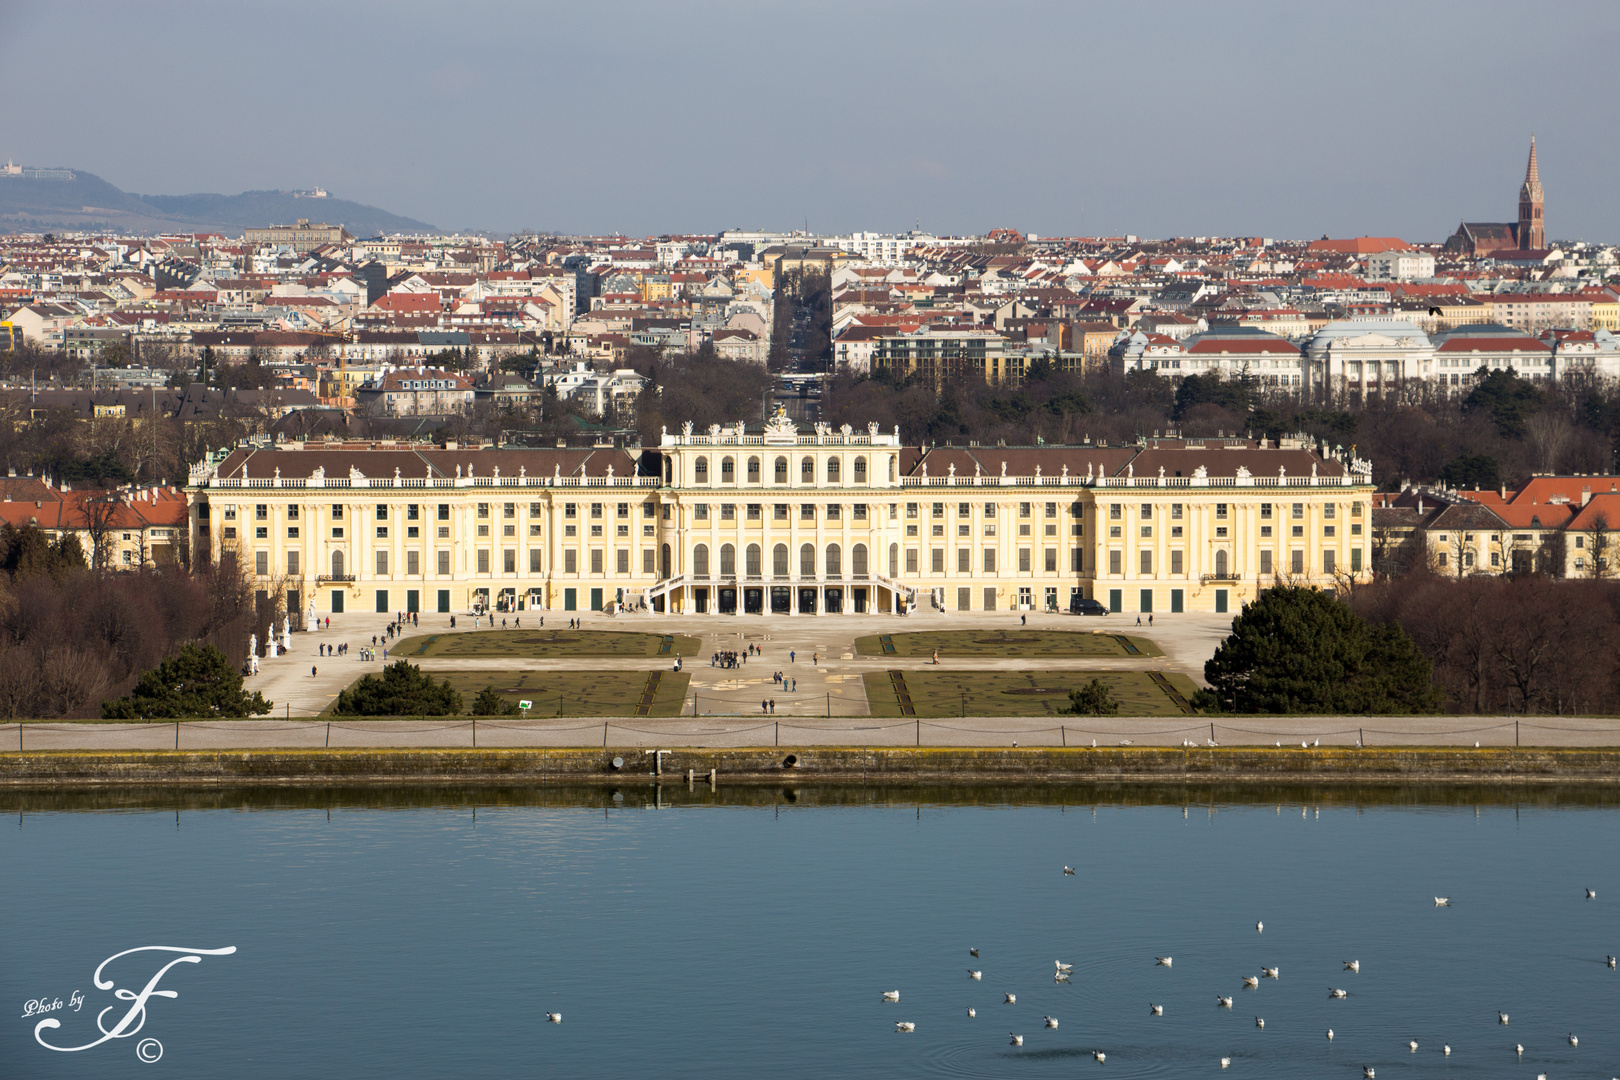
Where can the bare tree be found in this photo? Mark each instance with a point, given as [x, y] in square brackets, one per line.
[100, 512]
[1600, 546]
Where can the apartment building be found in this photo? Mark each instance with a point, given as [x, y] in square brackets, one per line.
[750, 519]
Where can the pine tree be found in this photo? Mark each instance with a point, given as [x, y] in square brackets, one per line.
[196, 681]
[1299, 650]
[401, 690]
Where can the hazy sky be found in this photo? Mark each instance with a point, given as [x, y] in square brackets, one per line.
[1288, 119]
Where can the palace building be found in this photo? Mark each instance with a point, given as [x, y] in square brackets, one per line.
[754, 519]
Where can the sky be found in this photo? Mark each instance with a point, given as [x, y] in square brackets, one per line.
[1285, 120]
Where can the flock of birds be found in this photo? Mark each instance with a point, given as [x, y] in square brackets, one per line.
[1065, 970]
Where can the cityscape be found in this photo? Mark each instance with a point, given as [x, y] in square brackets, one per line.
[1002, 541]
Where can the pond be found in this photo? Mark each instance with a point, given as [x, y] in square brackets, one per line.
[416, 932]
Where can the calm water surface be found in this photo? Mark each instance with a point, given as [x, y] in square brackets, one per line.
[408, 937]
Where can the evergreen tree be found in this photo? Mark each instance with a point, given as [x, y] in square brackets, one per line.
[1298, 650]
[1093, 699]
[401, 690]
[196, 681]
[490, 703]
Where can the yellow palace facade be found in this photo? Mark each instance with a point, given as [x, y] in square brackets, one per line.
[742, 520]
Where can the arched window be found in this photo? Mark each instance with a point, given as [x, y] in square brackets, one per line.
[753, 470]
[893, 468]
[807, 471]
[337, 564]
[835, 561]
[751, 560]
[860, 470]
[781, 470]
[728, 471]
[728, 561]
[700, 471]
[700, 561]
[663, 556]
[894, 560]
[807, 561]
[835, 471]
[857, 560]
[1220, 564]
[779, 560]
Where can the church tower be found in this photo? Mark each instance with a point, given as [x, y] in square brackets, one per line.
[1532, 232]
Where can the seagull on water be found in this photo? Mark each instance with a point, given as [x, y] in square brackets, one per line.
[1412, 1045]
[1334, 992]
[973, 952]
[1501, 1018]
[1330, 1034]
[1591, 894]
[1251, 980]
[1051, 1022]
[1270, 973]
[1446, 1049]
[1353, 965]
[891, 995]
[1520, 1048]
[1573, 1041]
[972, 1012]
[1225, 1061]
[1259, 927]
[1068, 871]
[1163, 961]
[1017, 1040]
[1061, 966]
[1442, 901]
[905, 1025]
[1259, 1023]
[1100, 1056]
[1223, 1002]
[1012, 999]
[553, 1018]
[975, 975]
[1367, 1071]
[1155, 1010]
[1611, 961]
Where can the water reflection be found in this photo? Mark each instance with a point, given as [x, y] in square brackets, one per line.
[634, 793]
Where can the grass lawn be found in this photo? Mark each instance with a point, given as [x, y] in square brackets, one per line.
[582, 693]
[1053, 644]
[545, 644]
[1022, 693]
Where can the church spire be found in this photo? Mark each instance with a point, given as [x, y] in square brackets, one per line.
[1532, 233]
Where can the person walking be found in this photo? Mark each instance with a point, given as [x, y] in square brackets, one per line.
[764, 706]
[793, 657]
[312, 671]
[1023, 620]
[1150, 618]
[773, 706]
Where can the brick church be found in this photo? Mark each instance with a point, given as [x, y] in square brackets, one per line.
[1527, 234]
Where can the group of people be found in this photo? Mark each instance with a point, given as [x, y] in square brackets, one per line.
[335, 650]
[767, 705]
[728, 659]
[788, 685]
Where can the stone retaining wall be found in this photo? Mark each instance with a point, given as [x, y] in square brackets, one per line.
[814, 764]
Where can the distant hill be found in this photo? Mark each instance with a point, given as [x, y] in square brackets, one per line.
[89, 203]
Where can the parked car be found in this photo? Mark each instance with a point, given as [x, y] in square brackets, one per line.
[1089, 607]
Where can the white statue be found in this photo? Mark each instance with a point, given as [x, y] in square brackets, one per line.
[253, 645]
[1201, 472]
[872, 429]
[714, 431]
[1003, 470]
[1242, 471]
[270, 640]
[286, 629]
[953, 472]
[846, 430]
[686, 430]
